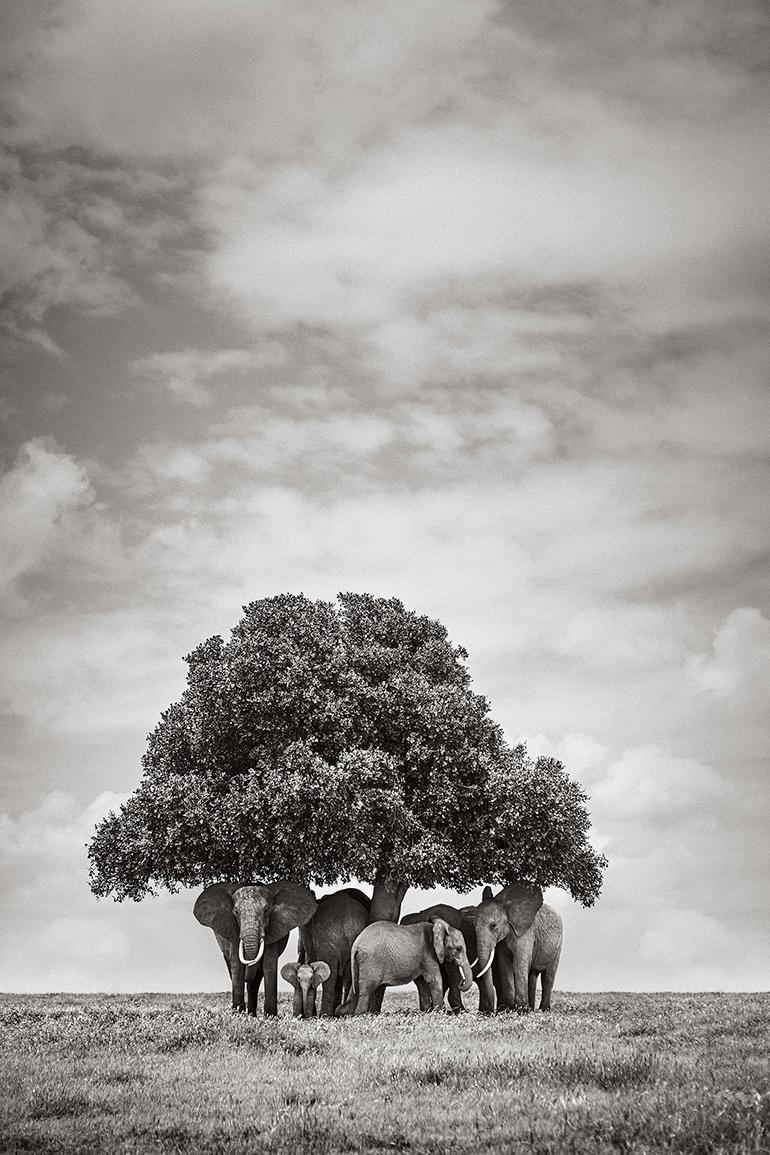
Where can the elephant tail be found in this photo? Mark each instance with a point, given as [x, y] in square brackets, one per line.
[354, 972]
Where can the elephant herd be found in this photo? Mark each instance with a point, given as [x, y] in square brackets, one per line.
[503, 945]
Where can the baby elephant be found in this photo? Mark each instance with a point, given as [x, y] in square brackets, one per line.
[306, 978]
[388, 955]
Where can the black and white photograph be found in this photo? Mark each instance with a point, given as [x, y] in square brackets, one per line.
[384, 577]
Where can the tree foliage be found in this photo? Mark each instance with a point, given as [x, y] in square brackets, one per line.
[329, 741]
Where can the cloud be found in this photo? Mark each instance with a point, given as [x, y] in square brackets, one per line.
[650, 785]
[354, 163]
[155, 75]
[64, 230]
[103, 671]
[685, 875]
[56, 825]
[49, 512]
[190, 373]
[55, 936]
[738, 667]
[366, 246]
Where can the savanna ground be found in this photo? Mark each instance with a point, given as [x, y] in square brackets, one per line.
[610, 1072]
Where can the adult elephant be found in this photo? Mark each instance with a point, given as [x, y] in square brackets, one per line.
[505, 936]
[328, 938]
[251, 923]
[452, 978]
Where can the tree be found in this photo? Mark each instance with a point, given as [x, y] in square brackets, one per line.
[329, 741]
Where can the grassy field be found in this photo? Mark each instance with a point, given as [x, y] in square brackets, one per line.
[611, 1072]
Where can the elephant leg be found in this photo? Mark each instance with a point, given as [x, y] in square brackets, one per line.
[423, 991]
[270, 972]
[502, 976]
[237, 977]
[432, 977]
[547, 979]
[346, 980]
[532, 989]
[332, 995]
[486, 994]
[451, 979]
[253, 983]
[375, 1001]
[521, 963]
[366, 994]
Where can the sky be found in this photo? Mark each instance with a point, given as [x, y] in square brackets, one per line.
[459, 302]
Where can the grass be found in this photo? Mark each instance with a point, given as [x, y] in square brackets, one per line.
[602, 1073]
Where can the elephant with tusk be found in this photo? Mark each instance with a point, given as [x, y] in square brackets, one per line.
[518, 937]
[388, 954]
[251, 923]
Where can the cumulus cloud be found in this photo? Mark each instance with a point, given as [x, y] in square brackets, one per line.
[55, 936]
[674, 893]
[650, 785]
[102, 671]
[738, 666]
[49, 512]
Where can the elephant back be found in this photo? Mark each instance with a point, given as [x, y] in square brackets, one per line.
[450, 915]
[338, 920]
[351, 892]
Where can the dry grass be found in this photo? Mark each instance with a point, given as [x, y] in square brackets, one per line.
[161, 1073]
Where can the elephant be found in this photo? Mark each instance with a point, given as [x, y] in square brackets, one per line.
[546, 939]
[328, 937]
[518, 938]
[461, 920]
[387, 954]
[251, 923]
[306, 978]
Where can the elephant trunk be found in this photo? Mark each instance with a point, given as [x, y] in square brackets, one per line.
[250, 948]
[310, 1003]
[467, 974]
[306, 992]
[297, 1004]
[487, 965]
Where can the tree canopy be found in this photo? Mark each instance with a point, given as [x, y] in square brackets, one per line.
[329, 741]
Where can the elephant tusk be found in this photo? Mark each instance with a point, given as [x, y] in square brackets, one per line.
[489, 964]
[249, 962]
[475, 963]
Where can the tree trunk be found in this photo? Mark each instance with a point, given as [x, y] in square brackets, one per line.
[388, 894]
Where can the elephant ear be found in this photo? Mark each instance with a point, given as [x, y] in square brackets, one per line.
[321, 973]
[486, 894]
[292, 905]
[289, 973]
[521, 902]
[440, 929]
[214, 908]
